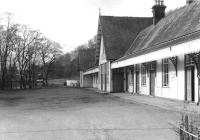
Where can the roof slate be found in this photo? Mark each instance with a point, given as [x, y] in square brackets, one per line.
[119, 33]
[177, 27]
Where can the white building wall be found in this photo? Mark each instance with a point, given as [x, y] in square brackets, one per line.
[103, 61]
[181, 78]
[158, 80]
[108, 76]
[81, 78]
[171, 90]
[134, 84]
[99, 79]
[140, 83]
[102, 56]
[196, 86]
[108, 85]
[95, 80]
[87, 81]
[130, 83]
[175, 90]
[145, 89]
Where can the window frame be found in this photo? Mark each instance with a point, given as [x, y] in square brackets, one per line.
[165, 72]
[144, 74]
[189, 61]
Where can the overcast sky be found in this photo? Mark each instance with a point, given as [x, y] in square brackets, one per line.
[73, 22]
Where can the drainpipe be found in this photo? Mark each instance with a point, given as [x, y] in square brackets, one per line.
[198, 91]
[198, 75]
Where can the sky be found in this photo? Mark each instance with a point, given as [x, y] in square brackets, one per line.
[73, 22]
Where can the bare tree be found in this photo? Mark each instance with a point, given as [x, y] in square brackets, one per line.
[27, 54]
[7, 43]
[22, 52]
[49, 51]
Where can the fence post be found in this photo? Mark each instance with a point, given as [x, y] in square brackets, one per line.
[181, 132]
[187, 136]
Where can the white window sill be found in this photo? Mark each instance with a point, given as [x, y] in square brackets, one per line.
[165, 87]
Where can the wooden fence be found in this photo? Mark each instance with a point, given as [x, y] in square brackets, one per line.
[186, 134]
[188, 129]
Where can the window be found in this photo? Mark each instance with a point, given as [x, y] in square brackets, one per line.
[96, 76]
[143, 74]
[131, 79]
[188, 60]
[165, 72]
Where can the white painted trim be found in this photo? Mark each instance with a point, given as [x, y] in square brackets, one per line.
[91, 71]
[184, 48]
[102, 56]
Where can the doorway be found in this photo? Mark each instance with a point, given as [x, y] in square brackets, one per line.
[190, 82]
[105, 82]
[152, 83]
[126, 80]
[137, 82]
[132, 80]
[101, 81]
[118, 80]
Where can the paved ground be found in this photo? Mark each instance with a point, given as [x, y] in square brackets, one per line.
[164, 103]
[78, 114]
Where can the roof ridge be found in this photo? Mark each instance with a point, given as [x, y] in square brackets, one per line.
[175, 28]
[119, 32]
[124, 16]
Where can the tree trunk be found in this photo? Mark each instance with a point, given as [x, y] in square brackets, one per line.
[3, 82]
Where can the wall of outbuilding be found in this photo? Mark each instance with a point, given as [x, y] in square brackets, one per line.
[176, 88]
[105, 74]
[88, 81]
[130, 81]
[95, 80]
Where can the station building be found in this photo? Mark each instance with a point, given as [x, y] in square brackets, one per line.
[158, 56]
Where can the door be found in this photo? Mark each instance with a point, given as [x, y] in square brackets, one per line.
[131, 81]
[190, 84]
[118, 82]
[105, 82]
[101, 81]
[132, 73]
[137, 82]
[152, 83]
[126, 81]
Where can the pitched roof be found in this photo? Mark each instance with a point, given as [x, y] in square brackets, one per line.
[177, 27]
[119, 32]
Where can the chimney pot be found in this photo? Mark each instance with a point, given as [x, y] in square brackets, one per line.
[158, 11]
[189, 1]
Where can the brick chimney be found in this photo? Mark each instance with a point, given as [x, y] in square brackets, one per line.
[158, 11]
[189, 1]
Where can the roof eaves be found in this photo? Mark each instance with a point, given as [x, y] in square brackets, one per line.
[91, 68]
[158, 46]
